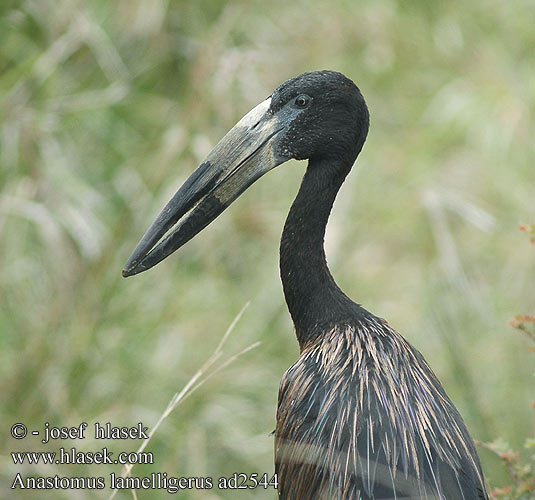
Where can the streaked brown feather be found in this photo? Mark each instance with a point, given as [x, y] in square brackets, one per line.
[361, 415]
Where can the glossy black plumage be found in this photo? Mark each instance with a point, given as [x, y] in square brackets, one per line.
[360, 414]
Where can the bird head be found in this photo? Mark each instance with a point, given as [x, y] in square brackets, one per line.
[318, 116]
[325, 117]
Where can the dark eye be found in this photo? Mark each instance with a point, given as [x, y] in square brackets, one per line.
[302, 101]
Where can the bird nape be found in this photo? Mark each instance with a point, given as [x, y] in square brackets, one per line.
[360, 414]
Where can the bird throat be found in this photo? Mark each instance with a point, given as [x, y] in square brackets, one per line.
[314, 300]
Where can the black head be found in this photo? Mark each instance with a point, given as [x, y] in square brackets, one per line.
[326, 114]
[321, 116]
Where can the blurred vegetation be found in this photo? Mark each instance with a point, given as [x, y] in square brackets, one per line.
[106, 107]
[521, 468]
[522, 474]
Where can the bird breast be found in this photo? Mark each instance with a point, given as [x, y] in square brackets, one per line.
[361, 409]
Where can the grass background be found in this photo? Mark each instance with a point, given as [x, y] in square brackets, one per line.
[106, 107]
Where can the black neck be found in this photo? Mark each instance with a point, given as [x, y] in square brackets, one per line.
[314, 300]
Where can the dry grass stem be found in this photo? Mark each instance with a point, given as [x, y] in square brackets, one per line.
[193, 384]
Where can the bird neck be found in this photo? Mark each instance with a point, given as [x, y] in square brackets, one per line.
[314, 300]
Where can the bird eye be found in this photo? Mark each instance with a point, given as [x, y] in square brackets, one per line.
[301, 101]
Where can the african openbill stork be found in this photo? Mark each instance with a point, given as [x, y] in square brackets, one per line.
[360, 415]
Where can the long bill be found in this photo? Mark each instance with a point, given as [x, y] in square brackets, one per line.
[240, 158]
